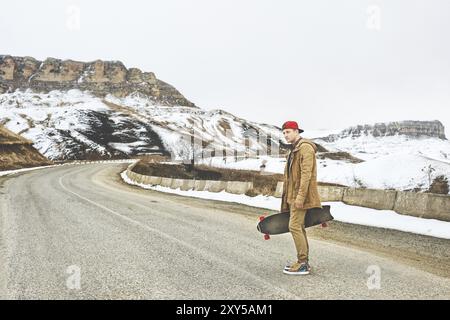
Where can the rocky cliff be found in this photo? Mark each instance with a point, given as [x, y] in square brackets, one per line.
[434, 129]
[98, 77]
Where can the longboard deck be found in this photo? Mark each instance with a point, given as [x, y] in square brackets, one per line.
[279, 223]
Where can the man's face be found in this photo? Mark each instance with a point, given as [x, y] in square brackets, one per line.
[290, 135]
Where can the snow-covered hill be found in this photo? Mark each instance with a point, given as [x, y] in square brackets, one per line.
[215, 129]
[73, 125]
[368, 147]
[399, 162]
[77, 125]
[396, 161]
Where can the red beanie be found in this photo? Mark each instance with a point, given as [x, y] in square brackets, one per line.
[291, 125]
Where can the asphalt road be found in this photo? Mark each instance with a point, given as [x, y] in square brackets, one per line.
[79, 232]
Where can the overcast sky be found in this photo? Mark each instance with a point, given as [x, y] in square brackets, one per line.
[326, 64]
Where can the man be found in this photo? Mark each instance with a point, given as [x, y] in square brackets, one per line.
[299, 192]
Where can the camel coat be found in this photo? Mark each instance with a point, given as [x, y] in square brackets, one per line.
[300, 179]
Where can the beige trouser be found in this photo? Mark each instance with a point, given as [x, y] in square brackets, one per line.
[297, 229]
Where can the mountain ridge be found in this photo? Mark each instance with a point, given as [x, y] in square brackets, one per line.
[411, 128]
[98, 77]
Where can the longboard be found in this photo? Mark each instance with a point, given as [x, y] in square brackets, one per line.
[279, 223]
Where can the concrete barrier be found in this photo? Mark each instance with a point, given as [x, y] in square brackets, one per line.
[176, 183]
[132, 175]
[188, 185]
[199, 185]
[424, 205]
[370, 198]
[279, 190]
[154, 180]
[145, 179]
[331, 193]
[238, 187]
[215, 186]
[139, 178]
[166, 182]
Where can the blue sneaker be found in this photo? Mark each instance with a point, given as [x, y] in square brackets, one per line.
[297, 268]
[288, 266]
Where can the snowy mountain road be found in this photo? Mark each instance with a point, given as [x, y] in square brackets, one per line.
[80, 232]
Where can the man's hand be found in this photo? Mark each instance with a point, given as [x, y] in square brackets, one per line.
[299, 203]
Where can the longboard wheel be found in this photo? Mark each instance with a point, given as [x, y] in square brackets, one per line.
[266, 237]
[324, 225]
[261, 218]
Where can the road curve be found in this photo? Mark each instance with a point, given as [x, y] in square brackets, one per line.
[128, 243]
